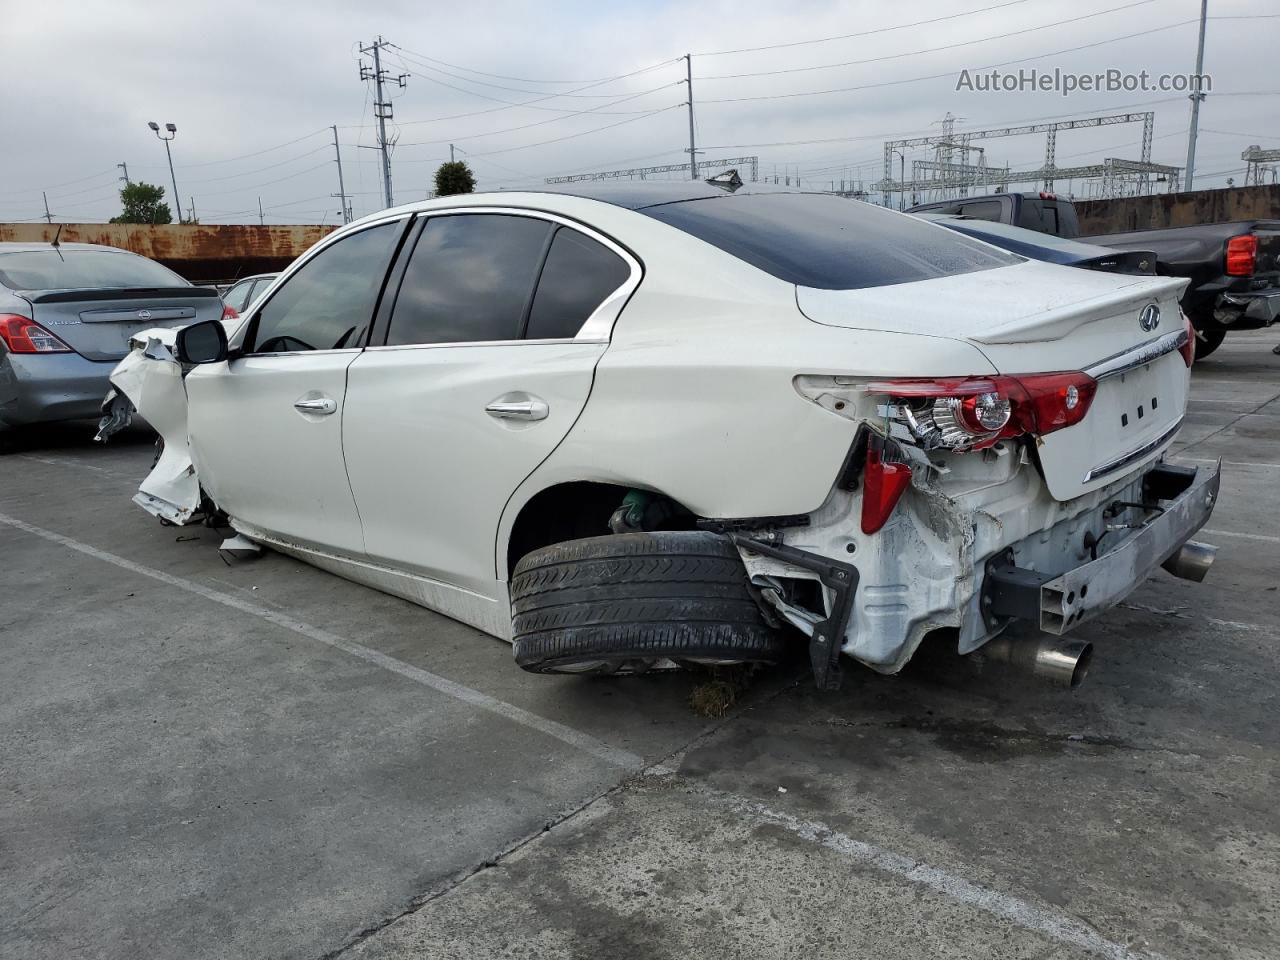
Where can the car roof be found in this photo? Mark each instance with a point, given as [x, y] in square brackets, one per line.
[22, 246]
[638, 195]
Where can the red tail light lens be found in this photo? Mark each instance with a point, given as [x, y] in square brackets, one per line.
[1188, 349]
[24, 335]
[969, 413]
[882, 488]
[229, 312]
[1242, 255]
[1054, 400]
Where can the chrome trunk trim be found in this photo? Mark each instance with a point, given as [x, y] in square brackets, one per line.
[1137, 356]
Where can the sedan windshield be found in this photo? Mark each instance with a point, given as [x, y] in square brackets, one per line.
[77, 269]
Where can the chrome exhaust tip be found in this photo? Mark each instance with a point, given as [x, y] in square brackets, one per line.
[1192, 561]
[1061, 663]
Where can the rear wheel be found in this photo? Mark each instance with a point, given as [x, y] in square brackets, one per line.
[627, 602]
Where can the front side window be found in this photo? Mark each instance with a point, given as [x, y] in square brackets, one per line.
[328, 304]
[577, 277]
[469, 279]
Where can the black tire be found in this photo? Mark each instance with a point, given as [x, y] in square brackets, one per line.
[1208, 341]
[622, 603]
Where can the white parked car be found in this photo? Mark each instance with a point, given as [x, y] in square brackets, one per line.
[657, 423]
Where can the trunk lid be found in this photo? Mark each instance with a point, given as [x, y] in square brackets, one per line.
[1040, 318]
[98, 323]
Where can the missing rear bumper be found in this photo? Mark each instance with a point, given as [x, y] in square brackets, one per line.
[1179, 501]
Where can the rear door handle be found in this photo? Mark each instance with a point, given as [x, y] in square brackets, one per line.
[322, 406]
[531, 409]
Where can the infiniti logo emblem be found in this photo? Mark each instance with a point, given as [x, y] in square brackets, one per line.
[146, 315]
[1149, 318]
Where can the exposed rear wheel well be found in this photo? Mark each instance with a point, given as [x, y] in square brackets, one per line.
[582, 508]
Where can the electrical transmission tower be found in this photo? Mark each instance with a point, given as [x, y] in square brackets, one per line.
[382, 107]
[1259, 164]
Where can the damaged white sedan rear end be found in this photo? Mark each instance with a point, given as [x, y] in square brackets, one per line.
[698, 423]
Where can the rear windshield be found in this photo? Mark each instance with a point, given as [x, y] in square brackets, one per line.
[77, 269]
[829, 242]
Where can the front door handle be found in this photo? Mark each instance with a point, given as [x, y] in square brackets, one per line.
[323, 406]
[531, 409]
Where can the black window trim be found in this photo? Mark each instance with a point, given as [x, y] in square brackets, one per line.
[598, 327]
[251, 329]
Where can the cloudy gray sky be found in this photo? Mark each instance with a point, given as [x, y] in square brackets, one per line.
[254, 87]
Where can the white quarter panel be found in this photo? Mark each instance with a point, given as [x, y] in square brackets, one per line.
[431, 469]
[265, 462]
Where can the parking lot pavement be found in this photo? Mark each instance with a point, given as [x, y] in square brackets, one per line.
[263, 760]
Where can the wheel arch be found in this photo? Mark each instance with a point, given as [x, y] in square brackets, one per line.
[565, 510]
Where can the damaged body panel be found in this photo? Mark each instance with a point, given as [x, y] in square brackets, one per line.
[149, 380]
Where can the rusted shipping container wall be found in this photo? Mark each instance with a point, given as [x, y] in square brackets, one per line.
[201, 253]
[1178, 209]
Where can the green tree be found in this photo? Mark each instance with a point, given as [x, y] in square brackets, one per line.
[454, 177]
[143, 203]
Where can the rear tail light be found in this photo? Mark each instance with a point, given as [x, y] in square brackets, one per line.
[882, 488]
[1242, 255]
[229, 312]
[24, 335]
[974, 412]
[1188, 349]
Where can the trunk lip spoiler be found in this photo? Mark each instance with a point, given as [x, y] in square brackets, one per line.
[1137, 356]
[118, 293]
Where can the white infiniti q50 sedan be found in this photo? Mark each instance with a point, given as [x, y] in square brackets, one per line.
[695, 422]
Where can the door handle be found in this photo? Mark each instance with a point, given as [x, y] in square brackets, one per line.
[532, 409]
[322, 406]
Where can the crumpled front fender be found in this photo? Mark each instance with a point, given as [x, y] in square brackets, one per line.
[151, 379]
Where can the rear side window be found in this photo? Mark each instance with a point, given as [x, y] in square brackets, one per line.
[982, 210]
[237, 297]
[469, 279]
[829, 242]
[81, 269]
[328, 304]
[578, 276]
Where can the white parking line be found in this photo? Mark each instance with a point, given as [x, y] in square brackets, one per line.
[1061, 928]
[575, 738]
[1245, 536]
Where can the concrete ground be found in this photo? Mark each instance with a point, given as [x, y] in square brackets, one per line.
[262, 760]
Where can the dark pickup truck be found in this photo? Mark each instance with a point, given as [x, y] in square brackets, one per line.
[1234, 268]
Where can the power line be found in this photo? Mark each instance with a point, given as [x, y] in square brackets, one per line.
[538, 123]
[499, 76]
[950, 73]
[916, 53]
[583, 133]
[498, 86]
[864, 33]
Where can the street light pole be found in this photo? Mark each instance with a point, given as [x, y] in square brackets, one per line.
[173, 132]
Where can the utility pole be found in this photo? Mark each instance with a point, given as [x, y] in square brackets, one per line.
[193, 209]
[47, 215]
[1196, 97]
[261, 219]
[125, 178]
[693, 152]
[342, 190]
[382, 108]
[451, 153]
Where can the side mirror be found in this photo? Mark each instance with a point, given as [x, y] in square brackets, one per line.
[203, 342]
